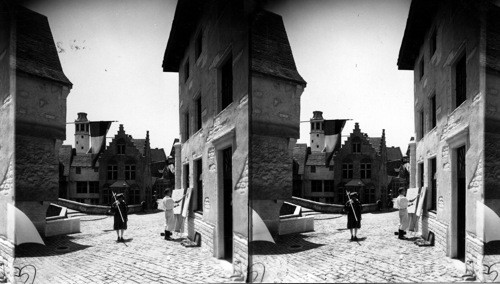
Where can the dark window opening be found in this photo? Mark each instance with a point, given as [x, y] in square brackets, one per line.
[316, 185]
[433, 111]
[186, 126]
[112, 172]
[186, 70]
[186, 175]
[199, 185]
[130, 172]
[366, 170]
[421, 68]
[120, 149]
[329, 186]
[347, 170]
[433, 42]
[93, 187]
[198, 46]
[198, 113]
[433, 189]
[227, 83]
[78, 170]
[421, 124]
[313, 169]
[81, 187]
[460, 82]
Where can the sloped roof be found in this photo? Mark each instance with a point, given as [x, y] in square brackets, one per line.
[375, 142]
[36, 52]
[158, 155]
[187, 14]
[317, 159]
[394, 153]
[65, 154]
[270, 51]
[419, 21]
[139, 144]
[299, 155]
[82, 160]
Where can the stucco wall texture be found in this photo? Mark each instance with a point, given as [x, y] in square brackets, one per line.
[261, 125]
[474, 123]
[7, 120]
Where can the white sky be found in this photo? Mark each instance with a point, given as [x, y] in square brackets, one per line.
[346, 51]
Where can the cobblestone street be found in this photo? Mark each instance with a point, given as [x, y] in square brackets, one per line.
[94, 256]
[328, 255]
[325, 255]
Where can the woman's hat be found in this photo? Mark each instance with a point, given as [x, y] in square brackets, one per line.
[354, 194]
[119, 195]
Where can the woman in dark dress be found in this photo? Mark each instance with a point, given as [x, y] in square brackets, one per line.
[120, 209]
[353, 222]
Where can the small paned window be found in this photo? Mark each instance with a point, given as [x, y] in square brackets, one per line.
[347, 170]
[81, 187]
[93, 187]
[356, 145]
[112, 172]
[78, 170]
[316, 185]
[120, 148]
[328, 186]
[130, 172]
[366, 170]
[313, 169]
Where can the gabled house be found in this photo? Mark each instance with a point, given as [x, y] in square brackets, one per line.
[361, 166]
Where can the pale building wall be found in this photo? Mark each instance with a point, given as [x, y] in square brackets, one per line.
[7, 122]
[87, 174]
[457, 33]
[220, 128]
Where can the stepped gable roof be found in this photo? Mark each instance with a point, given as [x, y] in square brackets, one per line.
[36, 52]
[375, 142]
[394, 154]
[158, 155]
[65, 155]
[139, 144]
[270, 48]
[82, 160]
[300, 155]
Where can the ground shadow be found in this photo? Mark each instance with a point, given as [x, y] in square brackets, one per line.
[287, 244]
[147, 212]
[381, 212]
[55, 245]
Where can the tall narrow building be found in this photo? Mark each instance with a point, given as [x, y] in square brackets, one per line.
[239, 112]
[452, 47]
